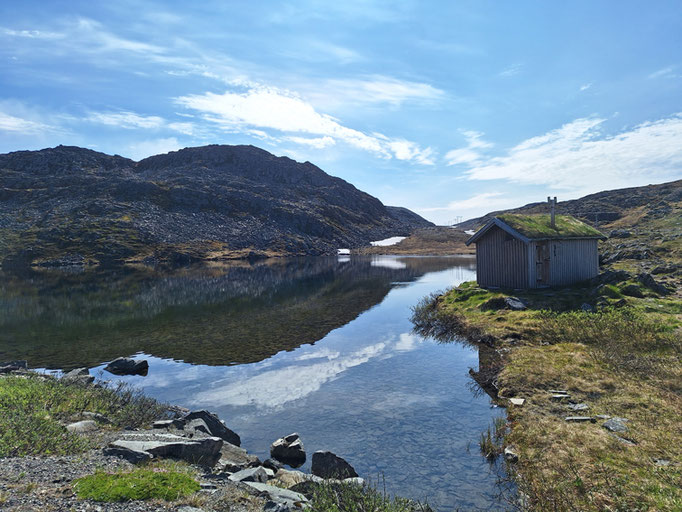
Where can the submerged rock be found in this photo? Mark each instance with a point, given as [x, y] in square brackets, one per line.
[289, 450]
[329, 465]
[127, 366]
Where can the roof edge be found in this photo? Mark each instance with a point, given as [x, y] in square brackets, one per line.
[500, 224]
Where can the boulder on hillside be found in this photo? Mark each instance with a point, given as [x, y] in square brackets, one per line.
[329, 465]
[127, 366]
[289, 450]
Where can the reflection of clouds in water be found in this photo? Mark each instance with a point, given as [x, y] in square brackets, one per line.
[273, 388]
[387, 262]
[395, 400]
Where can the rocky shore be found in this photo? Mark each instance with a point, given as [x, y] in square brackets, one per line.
[230, 477]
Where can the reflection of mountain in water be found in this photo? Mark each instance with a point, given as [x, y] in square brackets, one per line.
[203, 315]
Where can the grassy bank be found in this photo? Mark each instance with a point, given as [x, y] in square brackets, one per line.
[34, 410]
[621, 358]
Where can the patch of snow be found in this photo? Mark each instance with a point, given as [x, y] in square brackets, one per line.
[344, 251]
[388, 241]
[470, 232]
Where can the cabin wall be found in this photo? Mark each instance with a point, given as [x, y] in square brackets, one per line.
[570, 261]
[501, 260]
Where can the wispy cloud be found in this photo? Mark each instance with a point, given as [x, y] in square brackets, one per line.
[580, 158]
[9, 123]
[125, 119]
[667, 72]
[268, 108]
[487, 201]
[145, 148]
[470, 153]
[512, 70]
[585, 87]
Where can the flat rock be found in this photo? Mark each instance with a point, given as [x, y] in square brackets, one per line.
[616, 425]
[287, 479]
[259, 474]
[580, 419]
[578, 407]
[558, 397]
[289, 450]
[174, 423]
[205, 451]
[80, 427]
[127, 366]
[79, 376]
[517, 401]
[215, 427]
[279, 495]
[329, 465]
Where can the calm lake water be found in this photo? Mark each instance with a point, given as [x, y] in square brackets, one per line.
[319, 346]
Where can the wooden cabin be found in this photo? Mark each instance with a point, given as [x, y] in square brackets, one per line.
[535, 251]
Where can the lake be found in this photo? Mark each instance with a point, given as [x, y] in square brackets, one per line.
[319, 346]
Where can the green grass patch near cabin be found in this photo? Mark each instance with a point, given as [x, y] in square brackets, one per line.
[151, 482]
[539, 226]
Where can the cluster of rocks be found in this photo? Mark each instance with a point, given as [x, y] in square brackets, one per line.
[201, 438]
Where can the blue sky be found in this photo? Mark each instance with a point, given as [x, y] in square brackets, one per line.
[448, 108]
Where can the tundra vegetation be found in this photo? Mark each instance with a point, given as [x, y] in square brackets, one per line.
[608, 351]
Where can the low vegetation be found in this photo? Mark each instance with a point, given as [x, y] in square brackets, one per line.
[349, 497]
[166, 482]
[34, 409]
[619, 355]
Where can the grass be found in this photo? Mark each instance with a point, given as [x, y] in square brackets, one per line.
[624, 359]
[538, 226]
[350, 497]
[34, 408]
[164, 482]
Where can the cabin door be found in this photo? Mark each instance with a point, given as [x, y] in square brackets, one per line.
[542, 262]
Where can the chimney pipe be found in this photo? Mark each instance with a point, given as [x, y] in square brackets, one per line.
[552, 205]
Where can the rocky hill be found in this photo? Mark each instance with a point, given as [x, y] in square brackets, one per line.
[603, 208]
[69, 205]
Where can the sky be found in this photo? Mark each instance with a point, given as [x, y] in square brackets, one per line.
[449, 108]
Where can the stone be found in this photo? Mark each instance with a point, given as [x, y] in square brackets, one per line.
[558, 391]
[514, 303]
[559, 397]
[132, 455]
[127, 366]
[603, 417]
[215, 427]
[587, 308]
[233, 458]
[81, 427]
[99, 418]
[79, 376]
[174, 423]
[517, 401]
[580, 419]
[279, 496]
[251, 475]
[289, 450]
[205, 451]
[510, 455]
[648, 281]
[616, 425]
[273, 464]
[187, 508]
[13, 366]
[632, 290]
[662, 462]
[287, 479]
[328, 465]
[578, 407]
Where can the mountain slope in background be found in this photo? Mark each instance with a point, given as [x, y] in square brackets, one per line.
[69, 205]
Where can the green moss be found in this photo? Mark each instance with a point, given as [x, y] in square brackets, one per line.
[538, 226]
[141, 484]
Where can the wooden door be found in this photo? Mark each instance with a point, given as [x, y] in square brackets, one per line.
[542, 262]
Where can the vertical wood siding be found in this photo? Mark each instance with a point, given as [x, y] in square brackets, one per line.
[501, 260]
[505, 262]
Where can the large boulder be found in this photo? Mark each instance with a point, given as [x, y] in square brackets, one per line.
[138, 447]
[289, 450]
[13, 366]
[210, 424]
[127, 366]
[328, 465]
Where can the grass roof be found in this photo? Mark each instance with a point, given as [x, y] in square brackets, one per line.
[538, 226]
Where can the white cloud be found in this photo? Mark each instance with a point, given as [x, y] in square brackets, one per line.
[512, 70]
[316, 142]
[269, 108]
[9, 123]
[585, 87]
[145, 148]
[577, 157]
[125, 119]
[667, 72]
[469, 154]
[487, 201]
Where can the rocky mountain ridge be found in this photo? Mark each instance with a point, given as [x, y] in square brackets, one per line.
[69, 205]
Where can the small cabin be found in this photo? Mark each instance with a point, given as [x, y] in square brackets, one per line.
[535, 251]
